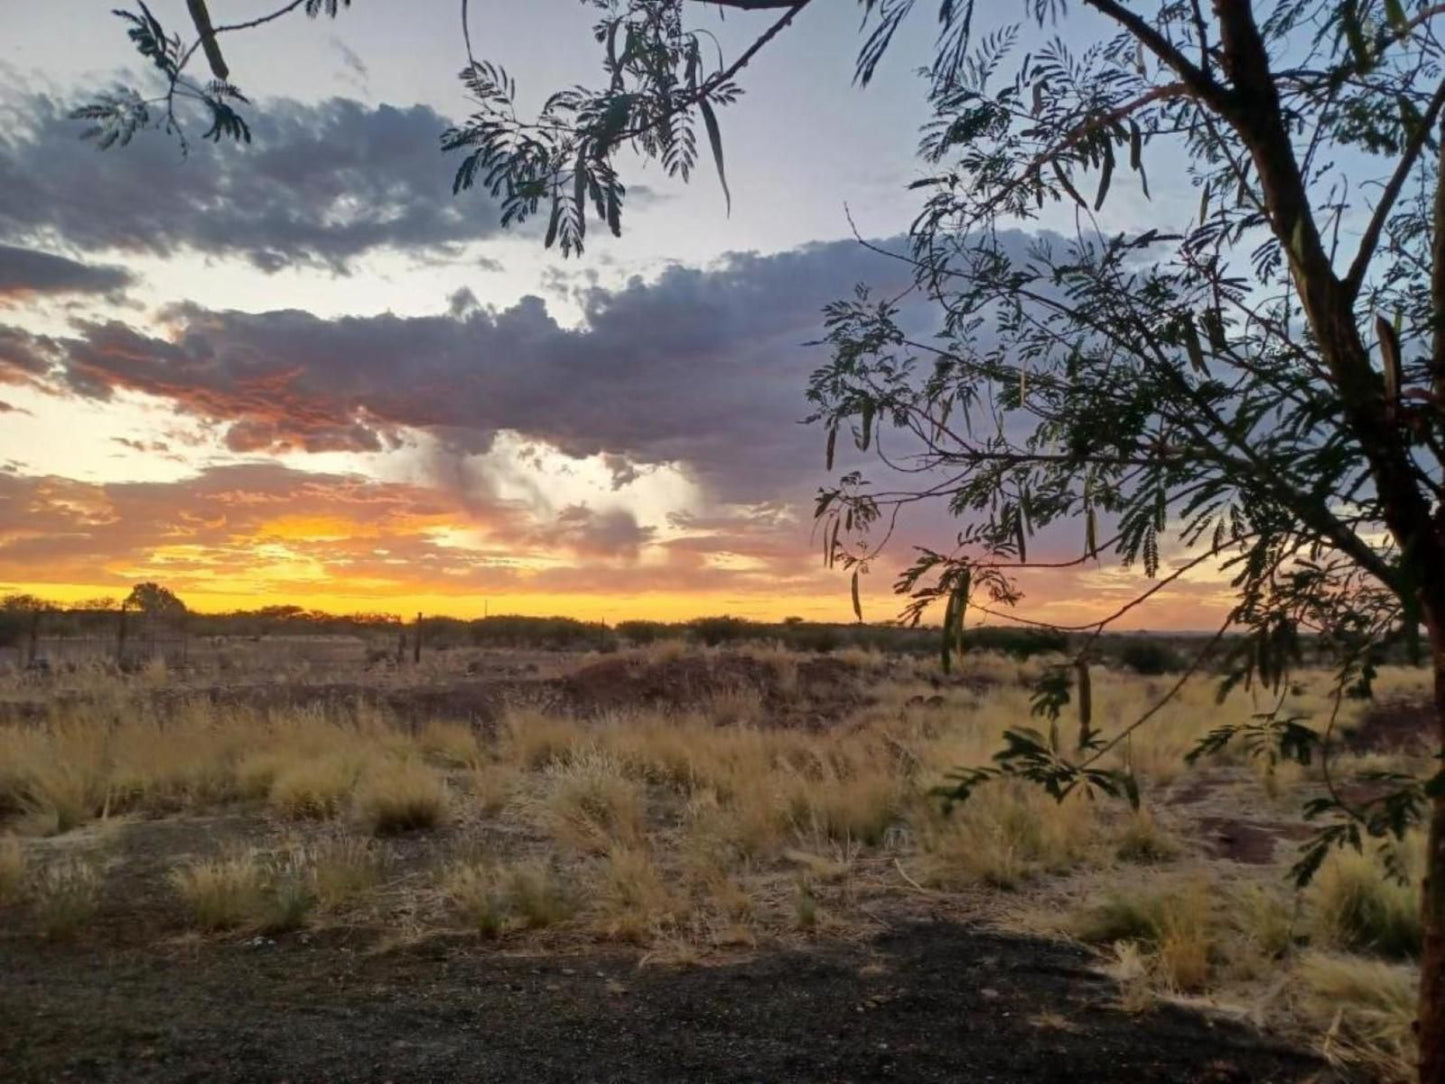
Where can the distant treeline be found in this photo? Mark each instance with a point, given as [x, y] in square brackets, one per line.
[1143, 653]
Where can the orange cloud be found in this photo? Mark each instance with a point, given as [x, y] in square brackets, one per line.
[260, 534]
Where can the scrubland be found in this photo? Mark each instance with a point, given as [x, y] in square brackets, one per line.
[148, 808]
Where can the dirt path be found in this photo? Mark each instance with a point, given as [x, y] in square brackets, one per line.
[930, 1002]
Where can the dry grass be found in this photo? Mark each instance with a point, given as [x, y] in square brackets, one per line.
[64, 897]
[1004, 835]
[589, 802]
[1173, 930]
[317, 789]
[270, 893]
[13, 867]
[402, 796]
[1358, 906]
[343, 868]
[635, 902]
[221, 893]
[688, 831]
[452, 745]
[492, 899]
[1366, 1009]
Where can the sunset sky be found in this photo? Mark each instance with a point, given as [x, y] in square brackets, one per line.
[302, 371]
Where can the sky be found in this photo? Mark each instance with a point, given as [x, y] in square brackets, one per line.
[303, 372]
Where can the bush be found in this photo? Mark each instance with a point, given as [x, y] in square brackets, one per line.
[1358, 906]
[1150, 658]
[220, 893]
[65, 898]
[713, 631]
[12, 870]
[401, 797]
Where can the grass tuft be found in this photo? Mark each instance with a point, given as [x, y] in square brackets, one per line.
[402, 796]
[65, 898]
[1357, 906]
[1367, 1008]
[220, 893]
[13, 865]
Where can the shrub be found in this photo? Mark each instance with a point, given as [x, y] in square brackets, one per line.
[634, 898]
[489, 898]
[65, 897]
[1141, 839]
[591, 804]
[537, 897]
[1174, 926]
[1358, 906]
[402, 796]
[1369, 1008]
[476, 895]
[220, 893]
[12, 869]
[315, 789]
[342, 869]
[1150, 658]
[451, 744]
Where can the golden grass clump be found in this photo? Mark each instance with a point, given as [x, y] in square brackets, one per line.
[1174, 928]
[1141, 838]
[535, 740]
[860, 807]
[246, 889]
[590, 803]
[13, 866]
[452, 745]
[1366, 1009]
[343, 868]
[65, 897]
[1003, 835]
[491, 899]
[475, 894]
[316, 789]
[402, 796]
[1357, 906]
[220, 893]
[635, 902]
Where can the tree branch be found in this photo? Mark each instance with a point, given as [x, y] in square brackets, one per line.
[1356, 274]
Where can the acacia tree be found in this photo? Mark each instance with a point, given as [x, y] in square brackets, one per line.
[1257, 385]
[154, 600]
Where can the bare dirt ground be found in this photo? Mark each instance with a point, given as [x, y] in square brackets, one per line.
[926, 1002]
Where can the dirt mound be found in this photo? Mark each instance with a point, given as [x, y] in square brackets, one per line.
[1394, 726]
[816, 692]
[1250, 843]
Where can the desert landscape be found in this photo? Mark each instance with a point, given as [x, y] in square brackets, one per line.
[722, 858]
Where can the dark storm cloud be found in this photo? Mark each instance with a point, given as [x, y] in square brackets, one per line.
[27, 271]
[321, 185]
[25, 358]
[703, 367]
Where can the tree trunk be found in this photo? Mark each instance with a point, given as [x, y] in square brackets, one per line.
[1431, 1024]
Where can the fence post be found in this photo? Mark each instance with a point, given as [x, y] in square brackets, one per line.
[120, 638]
[34, 637]
[416, 644]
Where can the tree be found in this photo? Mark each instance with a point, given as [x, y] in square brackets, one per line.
[154, 600]
[1257, 385]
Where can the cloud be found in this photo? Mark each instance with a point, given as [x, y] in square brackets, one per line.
[266, 532]
[26, 271]
[25, 358]
[586, 533]
[320, 186]
[700, 367]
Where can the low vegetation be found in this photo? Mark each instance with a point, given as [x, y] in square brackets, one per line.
[713, 829]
